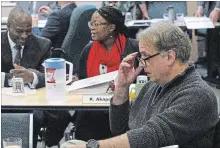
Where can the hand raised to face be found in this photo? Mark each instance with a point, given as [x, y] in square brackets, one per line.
[127, 74]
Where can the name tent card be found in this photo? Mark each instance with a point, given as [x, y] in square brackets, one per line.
[97, 99]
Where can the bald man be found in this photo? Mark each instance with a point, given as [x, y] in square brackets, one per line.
[33, 50]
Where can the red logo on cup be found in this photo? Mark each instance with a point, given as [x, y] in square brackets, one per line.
[50, 75]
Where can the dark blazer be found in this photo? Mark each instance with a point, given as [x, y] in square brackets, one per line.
[36, 50]
[57, 25]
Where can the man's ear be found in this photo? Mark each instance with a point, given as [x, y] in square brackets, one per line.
[171, 56]
[112, 27]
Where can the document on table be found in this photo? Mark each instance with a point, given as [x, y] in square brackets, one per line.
[95, 84]
[9, 91]
[138, 23]
[198, 22]
[96, 89]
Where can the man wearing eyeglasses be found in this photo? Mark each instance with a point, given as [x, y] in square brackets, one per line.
[176, 107]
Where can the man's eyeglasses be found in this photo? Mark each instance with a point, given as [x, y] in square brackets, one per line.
[91, 24]
[143, 60]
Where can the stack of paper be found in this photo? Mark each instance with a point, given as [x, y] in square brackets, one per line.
[198, 22]
[96, 89]
[94, 85]
[9, 91]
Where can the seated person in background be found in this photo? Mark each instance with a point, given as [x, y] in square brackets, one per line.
[101, 56]
[176, 107]
[57, 23]
[212, 10]
[138, 9]
[22, 55]
[28, 5]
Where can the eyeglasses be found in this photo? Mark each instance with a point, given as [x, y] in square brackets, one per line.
[91, 24]
[143, 60]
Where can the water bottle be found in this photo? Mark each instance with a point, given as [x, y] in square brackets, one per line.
[170, 12]
[140, 82]
[55, 78]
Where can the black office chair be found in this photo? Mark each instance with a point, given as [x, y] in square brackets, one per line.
[201, 42]
[18, 125]
[58, 53]
[78, 34]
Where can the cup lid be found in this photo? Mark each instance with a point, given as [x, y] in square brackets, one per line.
[57, 63]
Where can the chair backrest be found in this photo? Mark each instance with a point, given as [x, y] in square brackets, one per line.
[18, 125]
[156, 9]
[78, 34]
[217, 135]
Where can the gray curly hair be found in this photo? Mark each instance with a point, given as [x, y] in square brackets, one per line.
[164, 36]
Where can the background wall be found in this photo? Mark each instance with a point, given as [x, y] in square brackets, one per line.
[191, 8]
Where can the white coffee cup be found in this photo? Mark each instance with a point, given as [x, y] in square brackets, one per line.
[142, 79]
[12, 142]
[2, 79]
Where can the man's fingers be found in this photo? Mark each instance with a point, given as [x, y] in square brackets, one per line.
[130, 57]
[138, 70]
[20, 75]
[16, 71]
[124, 64]
[16, 66]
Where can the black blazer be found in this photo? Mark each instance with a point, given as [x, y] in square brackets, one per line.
[57, 25]
[36, 50]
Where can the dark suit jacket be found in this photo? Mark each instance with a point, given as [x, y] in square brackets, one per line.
[57, 25]
[36, 50]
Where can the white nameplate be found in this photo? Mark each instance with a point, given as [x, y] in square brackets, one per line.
[97, 99]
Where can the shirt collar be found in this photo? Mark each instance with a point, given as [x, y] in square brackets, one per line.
[11, 43]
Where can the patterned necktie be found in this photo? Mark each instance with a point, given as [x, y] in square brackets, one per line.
[18, 55]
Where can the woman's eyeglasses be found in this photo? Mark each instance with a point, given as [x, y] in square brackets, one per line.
[143, 60]
[91, 24]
